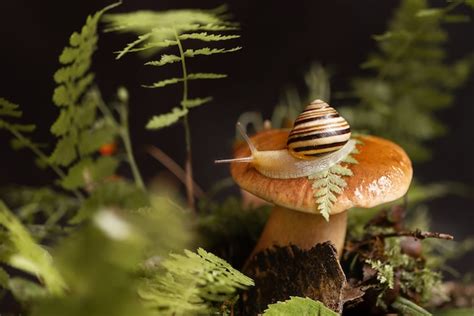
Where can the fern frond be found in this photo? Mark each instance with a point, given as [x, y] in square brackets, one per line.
[206, 37]
[164, 60]
[88, 171]
[209, 51]
[202, 75]
[91, 140]
[329, 183]
[23, 253]
[192, 103]
[164, 83]
[216, 27]
[65, 151]
[410, 54]
[78, 109]
[163, 120]
[131, 46]
[8, 108]
[298, 306]
[193, 76]
[192, 281]
[142, 21]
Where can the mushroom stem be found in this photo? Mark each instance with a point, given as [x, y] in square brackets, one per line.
[286, 226]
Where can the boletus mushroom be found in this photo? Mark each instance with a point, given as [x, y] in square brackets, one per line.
[383, 174]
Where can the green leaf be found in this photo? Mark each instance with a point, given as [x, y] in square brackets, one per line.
[190, 282]
[329, 183]
[201, 75]
[407, 307]
[78, 108]
[209, 51]
[165, 59]
[192, 103]
[25, 254]
[456, 311]
[4, 277]
[164, 83]
[470, 3]
[90, 141]
[8, 108]
[130, 46]
[206, 37]
[298, 306]
[26, 291]
[431, 12]
[65, 151]
[62, 123]
[163, 120]
[90, 172]
[117, 194]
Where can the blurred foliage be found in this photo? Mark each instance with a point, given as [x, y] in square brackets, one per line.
[106, 248]
[410, 80]
[298, 306]
[229, 229]
[21, 251]
[191, 283]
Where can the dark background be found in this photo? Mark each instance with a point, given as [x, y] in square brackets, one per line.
[280, 40]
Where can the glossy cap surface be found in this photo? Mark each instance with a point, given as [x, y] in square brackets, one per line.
[383, 174]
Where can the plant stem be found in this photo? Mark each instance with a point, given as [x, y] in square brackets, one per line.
[125, 135]
[43, 157]
[174, 168]
[187, 132]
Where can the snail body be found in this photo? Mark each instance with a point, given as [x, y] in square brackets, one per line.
[320, 138]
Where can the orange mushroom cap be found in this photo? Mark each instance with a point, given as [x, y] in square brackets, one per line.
[383, 174]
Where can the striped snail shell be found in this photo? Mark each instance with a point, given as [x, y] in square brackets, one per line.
[319, 130]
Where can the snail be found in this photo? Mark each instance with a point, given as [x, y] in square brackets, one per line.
[319, 139]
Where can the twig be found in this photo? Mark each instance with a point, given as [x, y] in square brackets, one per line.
[418, 234]
[173, 167]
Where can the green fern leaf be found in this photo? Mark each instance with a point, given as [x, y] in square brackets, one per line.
[192, 76]
[429, 13]
[8, 108]
[164, 83]
[209, 51]
[206, 37]
[65, 151]
[23, 253]
[201, 75]
[88, 170]
[192, 103]
[412, 53]
[329, 183]
[78, 109]
[216, 27]
[298, 306]
[130, 46]
[407, 307]
[119, 194]
[163, 120]
[164, 60]
[4, 278]
[91, 140]
[192, 281]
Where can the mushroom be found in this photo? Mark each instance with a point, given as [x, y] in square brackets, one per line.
[383, 174]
